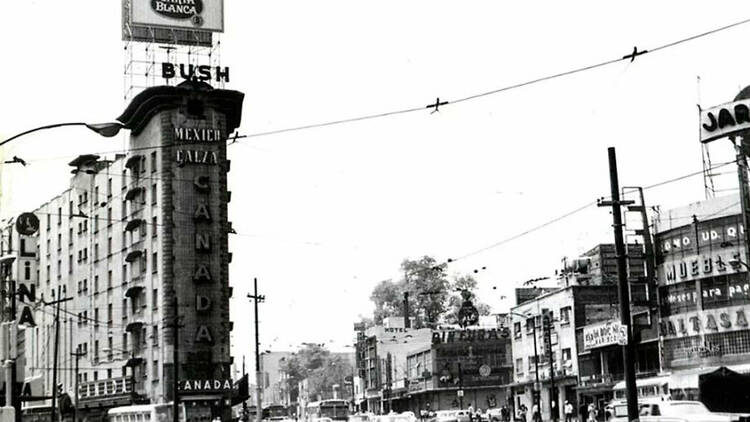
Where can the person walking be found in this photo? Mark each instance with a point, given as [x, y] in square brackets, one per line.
[471, 413]
[592, 413]
[568, 409]
[504, 414]
[535, 415]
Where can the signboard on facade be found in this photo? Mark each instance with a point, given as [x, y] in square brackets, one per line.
[605, 334]
[724, 120]
[206, 15]
[206, 385]
[705, 322]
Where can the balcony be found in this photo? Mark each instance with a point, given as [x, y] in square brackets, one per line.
[133, 255]
[137, 284]
[134, 224]
[135, 322]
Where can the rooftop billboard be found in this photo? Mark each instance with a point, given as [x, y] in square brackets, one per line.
[206, 15]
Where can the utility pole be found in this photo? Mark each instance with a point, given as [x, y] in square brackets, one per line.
[628, 351]
[53, 416]
[244, 402]
[78, 354]
[258, 375]
[547, 333]
[536, 366]
[11, 386]
[407, 322]
[460, 387]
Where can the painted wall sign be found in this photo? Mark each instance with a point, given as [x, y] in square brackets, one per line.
[206, 15]
[709, 321]
[192, 134]
[197, 135]
[466, 336]
[605, 334]
[724, 120]
[695, 267]
[201, 73]
[716, 232]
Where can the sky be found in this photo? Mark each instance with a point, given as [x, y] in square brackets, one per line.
[325, 214]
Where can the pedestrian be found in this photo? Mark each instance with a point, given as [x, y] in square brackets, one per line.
[555, 413]
[592, 413]
[504, 414]
[535, 415]
[568, 411]
[471, 413]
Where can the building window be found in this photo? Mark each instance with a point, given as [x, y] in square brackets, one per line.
[96, 317]
[153, 194]
[96, 195]
[59, 216]
[70, 236]
[153, 162]
[155, 336]
[566, 355]
[70, 264]
[109, 188]
[154, 263]
[109, 373]
[109, 247]
[96, 353]
[529, 325]
[519, 366]
[49, 221]
[124, 211]
[125, 179]
[124, 274]
[59, 242]
[124, 309]
[96, 252]
[96, 224]
[155, 299]
[565, 315]
[516, 329]
[155, 370]
[154, 224]
[109, 280]
[109, 217]
[110, 351]
[125, 346]
[109, 315]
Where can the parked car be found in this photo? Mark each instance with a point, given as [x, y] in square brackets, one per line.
[360, 417]
[669, 411]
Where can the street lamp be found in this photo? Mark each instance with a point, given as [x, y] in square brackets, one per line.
[108, 129]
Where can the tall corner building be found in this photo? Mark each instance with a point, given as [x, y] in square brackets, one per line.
[140, 243]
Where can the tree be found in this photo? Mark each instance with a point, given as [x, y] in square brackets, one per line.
[463, 288]
[321, 369]
[433, 298]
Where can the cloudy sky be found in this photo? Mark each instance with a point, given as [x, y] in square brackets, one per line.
[324, 214]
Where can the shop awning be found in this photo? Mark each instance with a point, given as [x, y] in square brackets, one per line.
[133, 255]
[690, 378]
[133, 326]
[645, 382]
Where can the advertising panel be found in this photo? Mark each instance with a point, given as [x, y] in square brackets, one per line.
[604, 334]
[206, 15]
[719, 320]
[471, 358]
[724, 120]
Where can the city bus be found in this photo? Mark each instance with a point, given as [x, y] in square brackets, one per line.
[337, 410]
[275, 412]
[145, 413]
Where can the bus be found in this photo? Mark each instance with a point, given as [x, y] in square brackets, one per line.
[145, 413]
[337, 410]
[275, 412]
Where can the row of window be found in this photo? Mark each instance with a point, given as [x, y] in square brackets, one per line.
[83, 376]
[535, 322]
[136, 305]
[543, 360]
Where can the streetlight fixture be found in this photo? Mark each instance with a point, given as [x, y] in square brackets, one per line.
[108, 129]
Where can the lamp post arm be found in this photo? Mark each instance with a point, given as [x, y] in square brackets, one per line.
[104, 129]
[41, 128]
